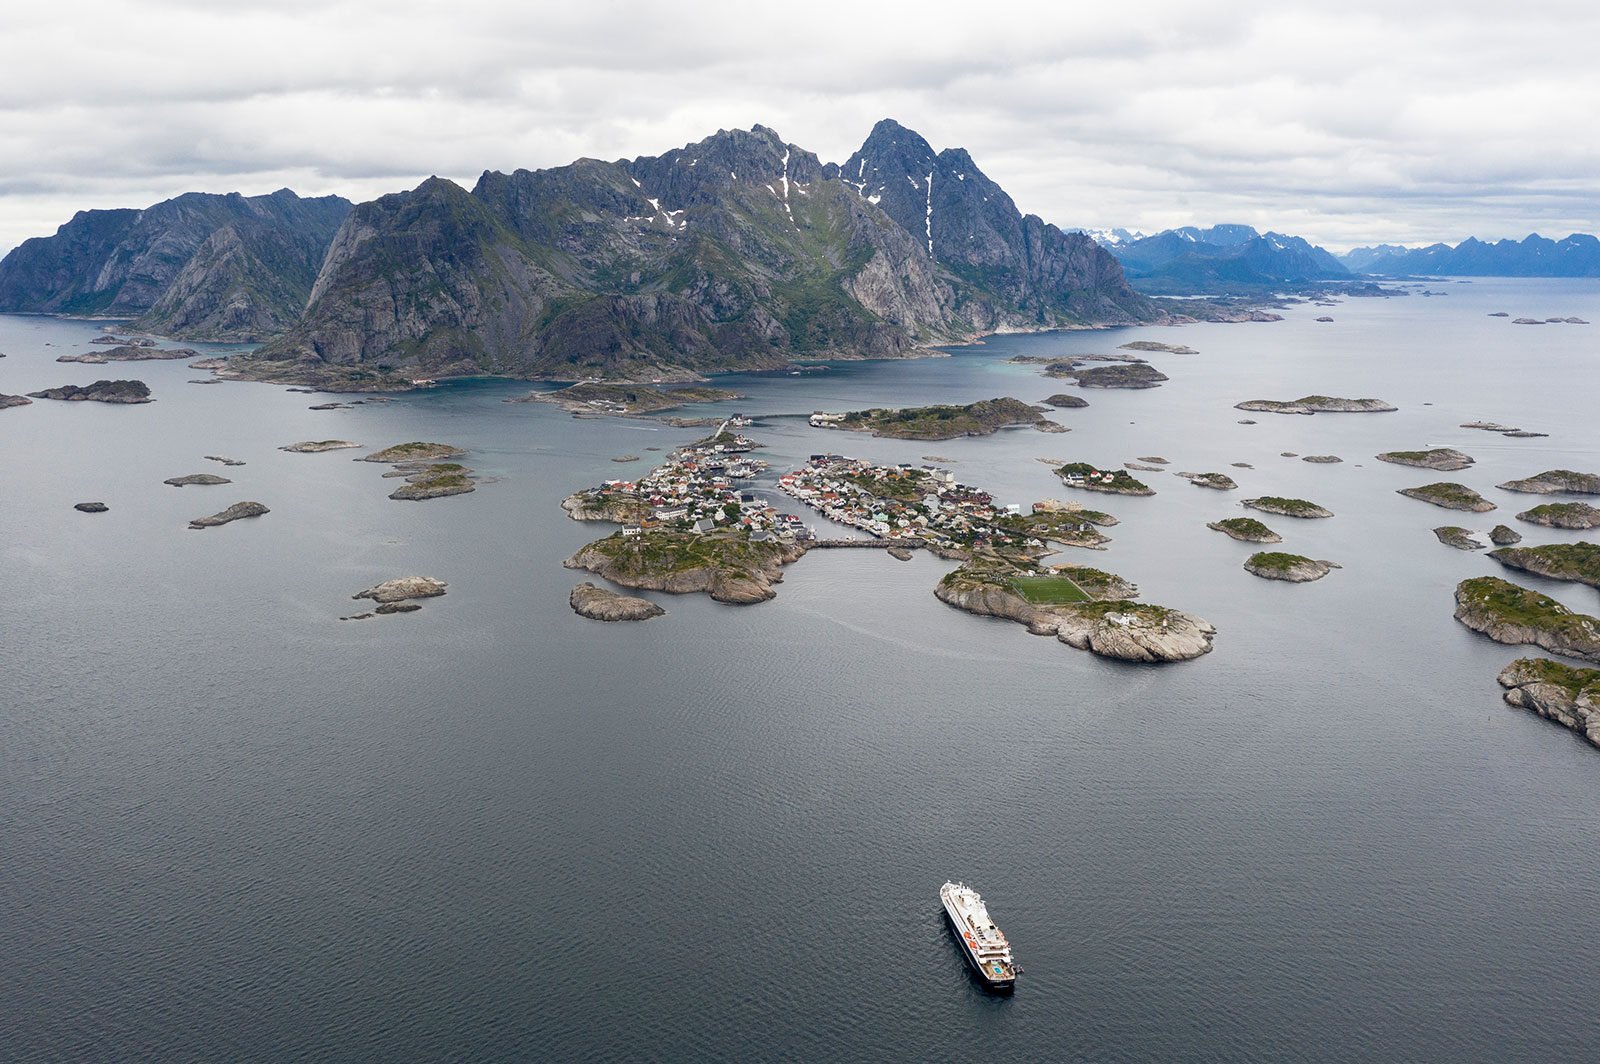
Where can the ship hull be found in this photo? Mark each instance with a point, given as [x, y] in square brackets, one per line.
[985, 977]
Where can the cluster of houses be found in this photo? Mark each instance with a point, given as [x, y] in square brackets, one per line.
[696, 490]
[904, 502]
[1075, 480]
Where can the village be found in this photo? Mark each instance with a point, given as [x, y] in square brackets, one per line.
[694, 490]
[927, 504]
[701, 489]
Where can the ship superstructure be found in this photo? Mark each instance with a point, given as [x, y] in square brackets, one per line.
[983, 943]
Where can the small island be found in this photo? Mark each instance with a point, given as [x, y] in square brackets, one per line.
[1566, 694]
[1515, 615]
[1156, 345]
[1322, 459]
[1570, 515]
[416, 451]
[1277, 504]
[90, 507]
[1219, 481]
[120, 392]
[434, 482]
[1504, 536]
[9, 401]
[1063, 401]
[1457, 537]
[1246, 529]
[318, 446]
[1077, 607]
[1295, 568]
[602, 604]
[934, 422]
[625, 400]
[1578, 562]
[203, 479]
[728, 564]
[425, 476]
[130, 353]
[1110, 481]
[1118, 375]
[1316, 404]
[1555, 481]
[1443, 459]
[236, 512]
[1450, 497]
[393, 596]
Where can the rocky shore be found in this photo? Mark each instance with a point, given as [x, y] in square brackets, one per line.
[1246, 529]
[1218, 481]
[1156, 345]
[1457, 537]
[125, 392]
[394, 596]
[1450, 497]
[625, 400]
[416, 451]
[434, 482]
[130, 353]
[318, 446]
[599, 504]
[724, 564]
[402, 588]
[1515, 615]
[1108, 481]
[1276, 504]
[1443, 459]
[601, 604]
[1132, 375]
[235, 512]
[1295, 568]
[1504, 536]
[934, 422]
[1121, 629]
[1316, 404]
[1556, 481]
[9, 401]
[196, 479]
[1568, 515]
[1568, 695]
[1578, 562]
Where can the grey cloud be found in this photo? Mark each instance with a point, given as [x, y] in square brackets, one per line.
[1346, 123]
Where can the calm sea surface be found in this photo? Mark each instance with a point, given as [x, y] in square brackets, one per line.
[233, 827]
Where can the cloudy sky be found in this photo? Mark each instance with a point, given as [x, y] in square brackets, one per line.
[1348, 123]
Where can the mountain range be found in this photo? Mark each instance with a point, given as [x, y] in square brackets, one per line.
[741, 251]
[200, 266]
[1232, 258]
[1534, 256]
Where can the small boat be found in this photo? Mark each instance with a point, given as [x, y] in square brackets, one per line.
[983, 943]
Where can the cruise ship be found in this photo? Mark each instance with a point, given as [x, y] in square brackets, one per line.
[985, 946]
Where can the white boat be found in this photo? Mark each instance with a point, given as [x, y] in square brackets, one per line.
[985, 946]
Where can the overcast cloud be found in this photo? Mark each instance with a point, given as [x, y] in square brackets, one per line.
[1347, 123]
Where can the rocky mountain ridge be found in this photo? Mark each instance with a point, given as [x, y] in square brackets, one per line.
[1223, 258]
[197, 267]
[739, 251]
[1577, 255]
